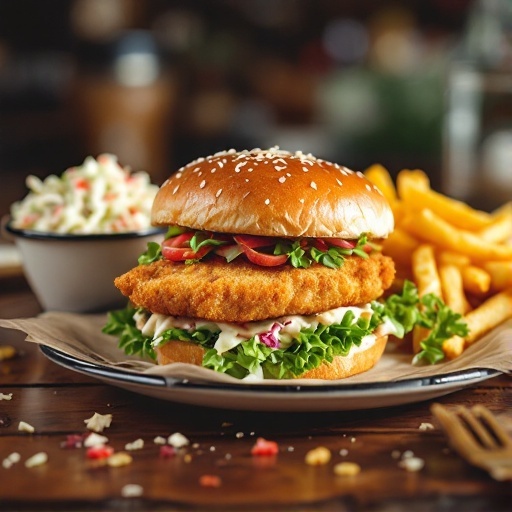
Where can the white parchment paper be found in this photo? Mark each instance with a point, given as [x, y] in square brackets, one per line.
[80, 336]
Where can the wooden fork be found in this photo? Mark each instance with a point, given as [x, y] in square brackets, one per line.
[478, 437]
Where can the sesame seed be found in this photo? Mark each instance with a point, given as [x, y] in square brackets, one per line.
[339, 182]
[279, 167]
[360, 174]
[219, 192]
[368, 187]
[202, 184]
[250, 169]
[196, 169]
[301, 201]
[178, 175]
[175, 189]
[313, 185]
[238, 166]
[267, 201]
[305, 169]
[221, 165]
[213, 170]
[247, 180]
[282, 179]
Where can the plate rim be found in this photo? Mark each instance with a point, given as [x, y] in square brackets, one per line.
[98, 370]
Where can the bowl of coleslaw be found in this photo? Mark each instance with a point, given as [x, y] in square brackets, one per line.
[78, 231]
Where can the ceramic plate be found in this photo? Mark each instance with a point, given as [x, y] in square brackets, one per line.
[258, 397]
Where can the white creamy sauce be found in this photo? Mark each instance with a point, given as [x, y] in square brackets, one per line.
[232, 334]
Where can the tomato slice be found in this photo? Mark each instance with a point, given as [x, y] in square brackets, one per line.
[253, 241]
[262, 259]
[177, 248]
[344, 244]
[321, 245]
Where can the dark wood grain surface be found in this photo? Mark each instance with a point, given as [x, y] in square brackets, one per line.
[56, 401]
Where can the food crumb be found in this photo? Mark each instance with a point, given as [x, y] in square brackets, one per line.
[119, 459]
[7, 352]
[10, 460]
[5, 396]
[239, 435]
[94, 439]
[318, 456]
[36, 460]
[178, 440]
[343, 452]
[132, 491]
[99, 452]
[263, 447]
[98, 422]
[73, 441]
[25, 427]
[210, 481]
[412, 464]
[167, 451]
[160, 440]
[426, 426]
[138, 444]
[347, 469]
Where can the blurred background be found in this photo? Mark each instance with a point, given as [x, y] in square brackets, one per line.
[405, 83]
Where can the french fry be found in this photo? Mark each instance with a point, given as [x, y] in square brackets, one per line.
[476, 280]
[430, 227]
[453, 258]
[494, 311]
[416, 197]
[500, 228]
[472, 268]
[427, 280]
[425, 271]
[453, 291]
[400, 246]
[501, 274]
[381, 178]
[416, 178]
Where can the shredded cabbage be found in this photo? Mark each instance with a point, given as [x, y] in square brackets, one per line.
[98, 197]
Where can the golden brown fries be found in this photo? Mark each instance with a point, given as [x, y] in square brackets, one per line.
[427, 280]
[480, 321]
[453, 289]
[461, 254]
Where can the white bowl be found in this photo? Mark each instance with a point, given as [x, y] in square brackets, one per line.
[76, 273]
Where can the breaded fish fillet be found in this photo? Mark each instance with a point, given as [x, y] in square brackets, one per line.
[241, 292]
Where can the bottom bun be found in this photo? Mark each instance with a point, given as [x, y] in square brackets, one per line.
[341, 367]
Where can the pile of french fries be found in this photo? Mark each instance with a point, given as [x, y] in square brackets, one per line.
[445, 247]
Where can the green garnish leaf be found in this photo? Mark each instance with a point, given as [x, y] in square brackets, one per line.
[153, 253]
[202, 239]
[121, 323]
[443, 324]
[407, 310]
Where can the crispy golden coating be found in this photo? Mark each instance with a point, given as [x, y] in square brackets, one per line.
[241, 292]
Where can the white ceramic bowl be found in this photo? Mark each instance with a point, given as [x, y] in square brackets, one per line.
[76, 273]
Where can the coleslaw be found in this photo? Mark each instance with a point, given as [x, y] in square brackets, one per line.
[98, 197]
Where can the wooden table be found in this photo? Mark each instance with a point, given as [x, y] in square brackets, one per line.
[56, 402]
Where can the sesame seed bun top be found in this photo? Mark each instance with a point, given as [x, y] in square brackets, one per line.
[272, 193]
